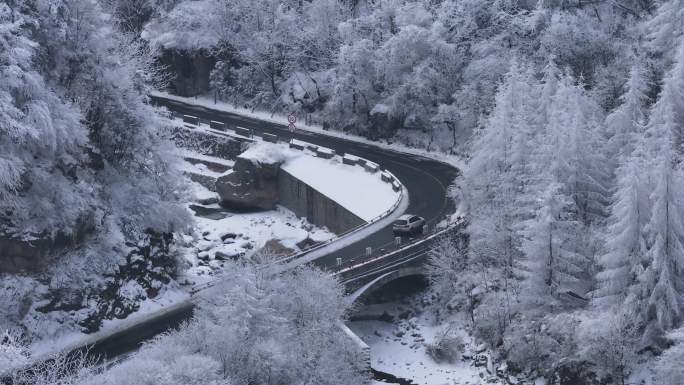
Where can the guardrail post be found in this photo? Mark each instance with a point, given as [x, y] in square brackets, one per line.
[369, 251]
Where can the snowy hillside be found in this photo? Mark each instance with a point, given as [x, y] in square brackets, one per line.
[561, 120]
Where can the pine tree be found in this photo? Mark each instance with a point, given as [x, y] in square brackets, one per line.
[550, 80]
[663, 280]
[629, 118]
[625, 247]
[665, 28]
[570, 185]
[623, 262]
[574, 130]
[552, 261]
[497, 172]
[664, 276]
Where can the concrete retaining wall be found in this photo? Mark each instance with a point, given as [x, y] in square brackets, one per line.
[364, 352]
[207, 144]
[305, 201]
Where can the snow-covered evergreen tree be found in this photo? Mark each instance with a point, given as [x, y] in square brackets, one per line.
[663, 278]
[662, 283]
[553, 263]
[498, 173]
[570, 185]
[43, 184]
[629, 118]
[626, 244]
[664, 30]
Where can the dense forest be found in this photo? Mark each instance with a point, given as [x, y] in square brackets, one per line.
[569, 115]
[85, 166]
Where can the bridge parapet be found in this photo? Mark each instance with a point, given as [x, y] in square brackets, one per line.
[358, 271]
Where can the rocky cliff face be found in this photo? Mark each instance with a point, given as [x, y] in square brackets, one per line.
[190, 71]
[33, 256]
[148, 268]
[251, 185]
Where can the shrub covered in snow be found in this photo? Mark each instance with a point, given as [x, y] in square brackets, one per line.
[13, 354]
[446, 346]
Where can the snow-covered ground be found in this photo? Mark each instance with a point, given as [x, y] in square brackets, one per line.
[241, 235]
[399, 347]
[221, 234]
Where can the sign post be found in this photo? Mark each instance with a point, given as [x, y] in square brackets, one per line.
[291, 118]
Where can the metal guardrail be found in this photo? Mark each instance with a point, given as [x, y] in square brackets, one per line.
[407, 248]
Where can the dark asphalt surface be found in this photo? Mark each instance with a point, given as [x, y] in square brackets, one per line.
[425, 179]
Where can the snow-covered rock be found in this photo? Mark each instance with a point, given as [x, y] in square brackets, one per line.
[252, 184]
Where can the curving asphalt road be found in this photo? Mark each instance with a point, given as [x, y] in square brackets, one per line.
[425, 179]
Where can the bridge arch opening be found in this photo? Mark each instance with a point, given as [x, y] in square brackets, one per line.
[390, 287]
[396, 289]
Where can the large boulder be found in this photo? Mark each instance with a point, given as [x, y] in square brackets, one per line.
[250, 185]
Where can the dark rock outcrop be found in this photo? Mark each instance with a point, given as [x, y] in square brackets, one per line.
[190, 70]
[251, 185]
[33, 256]
[149, 267]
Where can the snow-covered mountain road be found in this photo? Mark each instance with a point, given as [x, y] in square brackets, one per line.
[425, 179]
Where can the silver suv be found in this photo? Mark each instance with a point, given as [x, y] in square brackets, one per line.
[408, 224]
